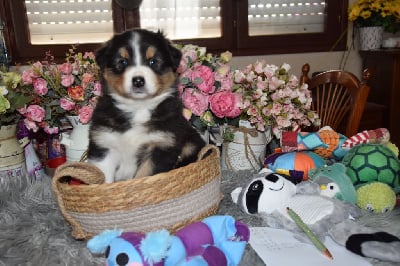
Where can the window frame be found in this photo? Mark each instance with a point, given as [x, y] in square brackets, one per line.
[234, 35]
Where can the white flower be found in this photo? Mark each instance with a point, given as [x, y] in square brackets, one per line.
[286, 66]
[3, 90]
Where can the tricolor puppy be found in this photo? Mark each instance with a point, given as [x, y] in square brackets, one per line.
[138, 128]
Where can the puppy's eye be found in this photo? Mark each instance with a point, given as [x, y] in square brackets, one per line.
[121, 64]
[152, 61]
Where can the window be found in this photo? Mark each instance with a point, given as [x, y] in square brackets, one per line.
[63, 22]
[285, 17]
[245, 27]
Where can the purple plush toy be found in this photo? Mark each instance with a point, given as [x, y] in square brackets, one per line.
[215, 241]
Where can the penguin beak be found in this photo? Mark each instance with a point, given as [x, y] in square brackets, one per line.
[322, 187]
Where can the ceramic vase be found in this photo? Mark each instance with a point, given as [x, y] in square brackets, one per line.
[247, 150]
[370, 38]
[76, 142]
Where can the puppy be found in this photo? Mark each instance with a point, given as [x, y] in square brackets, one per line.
[138, 128]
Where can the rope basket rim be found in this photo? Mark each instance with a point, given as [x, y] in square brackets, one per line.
[96, 198]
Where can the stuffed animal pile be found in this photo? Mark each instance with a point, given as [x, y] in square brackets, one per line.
[215, 241]
[329, 180]
[363, 169]
[270, 194]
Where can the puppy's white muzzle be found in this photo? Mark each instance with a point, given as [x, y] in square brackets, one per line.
[140, 82]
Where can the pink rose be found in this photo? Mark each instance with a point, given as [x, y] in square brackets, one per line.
[192, 54]
[183, 66]
[186, 74]
[22, 110]
[27, 77]
[261, 84]
[225, 104]
[31, 125]
[97, 89]
[66, 69]
[50, 130]
[259, 67]
[35, 113]
[85, 114]
[276, 108]
[67, 80]
[36, 70]
[195, 101]
[275, 83]
[89, 55]
[40, 86]
[66, 104]
[227, 83]
[203, 78]
[187, 57]
[93, 101]
[86, 79]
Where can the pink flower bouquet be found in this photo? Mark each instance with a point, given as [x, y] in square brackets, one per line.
[205, 85]
[71, 88]
[273, 98]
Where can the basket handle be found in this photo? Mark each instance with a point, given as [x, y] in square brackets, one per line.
[82, 171]
[205, 151]
[90, 174]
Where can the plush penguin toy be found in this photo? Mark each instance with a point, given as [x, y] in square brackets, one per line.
[269, 194]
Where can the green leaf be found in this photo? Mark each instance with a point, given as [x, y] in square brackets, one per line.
[20, 101]
[198, 80]
[184, 80]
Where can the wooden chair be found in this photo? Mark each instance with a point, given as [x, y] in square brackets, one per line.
[339, 98]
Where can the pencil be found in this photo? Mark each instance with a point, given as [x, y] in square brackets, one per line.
[314, 239]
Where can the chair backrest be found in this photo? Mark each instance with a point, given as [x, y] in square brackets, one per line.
[339, 98]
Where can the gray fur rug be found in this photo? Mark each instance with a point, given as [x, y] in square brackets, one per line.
[33, 231]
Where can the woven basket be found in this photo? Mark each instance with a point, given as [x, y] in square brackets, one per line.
[167, 200]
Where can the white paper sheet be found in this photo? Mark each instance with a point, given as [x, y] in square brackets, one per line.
[277, 247]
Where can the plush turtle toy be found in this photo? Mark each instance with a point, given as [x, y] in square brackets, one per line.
[270, 194]
[368, 163]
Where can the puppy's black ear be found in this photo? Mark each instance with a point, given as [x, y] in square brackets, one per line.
[175, 53]
[176, 56]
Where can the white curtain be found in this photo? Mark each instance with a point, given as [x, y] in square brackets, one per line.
[182, 19]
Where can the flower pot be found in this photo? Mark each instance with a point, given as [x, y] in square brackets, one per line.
[77, 141]
[11, 152]
[12, 162]
[247, 150]
[370, 38]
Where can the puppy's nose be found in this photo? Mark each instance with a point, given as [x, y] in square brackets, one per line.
[138, 81]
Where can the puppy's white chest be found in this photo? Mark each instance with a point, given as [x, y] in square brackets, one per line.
[141, 116]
